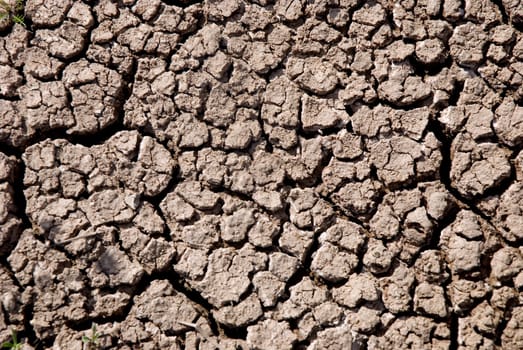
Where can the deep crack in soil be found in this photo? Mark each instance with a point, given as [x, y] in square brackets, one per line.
[268, 174]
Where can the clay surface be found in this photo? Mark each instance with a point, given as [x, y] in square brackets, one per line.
[262, 174]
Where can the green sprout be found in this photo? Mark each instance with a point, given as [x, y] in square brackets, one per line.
[13, 344]
[91, 341]
[14, 13]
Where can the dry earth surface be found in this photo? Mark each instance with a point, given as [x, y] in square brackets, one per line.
[265, 174]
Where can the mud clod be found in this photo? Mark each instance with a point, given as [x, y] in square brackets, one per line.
[262, 174]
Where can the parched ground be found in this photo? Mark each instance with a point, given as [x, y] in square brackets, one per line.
[265, 174]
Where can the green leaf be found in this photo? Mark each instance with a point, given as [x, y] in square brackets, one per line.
[7, 345]
[19, 20]
[86, 339]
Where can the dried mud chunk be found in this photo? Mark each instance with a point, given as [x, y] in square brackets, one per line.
[12, 128]
[404, 92]
[64, 42]
[482, 11]
[378, 257]
[513, 333]
[80, 14]
[234, 227]
[14, 45]
[295, 241]
[466, 44]
[463, 294]
[271, 335]
[384, 224]
[486, 318]
[266, 56]
[204, 233]
[135, 37]
[378, 124]
[395, 159]
[55, 292]
[204, 43]
[282, 265]
[331, 264]
[305, 295]
[280, 112]
[11, 299]
[191, 262]
[241, 315]
[506, 263]
[364, 320]
[95, 92]
[313, 75]
[116, 57]
[268, 287]
[118, 268]
[108, 207]
[150, 101]
[328, 314]
[164, 307]
[226, 279]
[430, 299]
[431, 51]
[10, 80]
[464, 242]
[418, 227]
[347, 145]
[410, 332]
[193, 193]
[477, 167]
[358, 198]
[239, 136]
[468, 337]
[508, 123]
[430, 267]
[46, 105]
[319, 114]
[372, 14]
[358, 289]
[148, 220]
[47, 13]
[154, 254]
[396, 290]
[290, 10]
[106, 305]
[307, 211]
[305, 162]
[509, 214]
[263, 231]
[338, 173]
[347, 235]
[40, 65]
[10, 224]
[357, 89]
[337, 338]
[267, 170]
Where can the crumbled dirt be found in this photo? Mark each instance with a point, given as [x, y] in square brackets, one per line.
[265, 174]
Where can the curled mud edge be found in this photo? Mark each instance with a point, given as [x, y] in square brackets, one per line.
[266, 174]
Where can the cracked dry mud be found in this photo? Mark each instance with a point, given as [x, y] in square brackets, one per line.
[265, 174]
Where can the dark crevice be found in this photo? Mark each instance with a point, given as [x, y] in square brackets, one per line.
[499, 4]
[454, 332]
[445, 167]
[202, 306]
[182, 3]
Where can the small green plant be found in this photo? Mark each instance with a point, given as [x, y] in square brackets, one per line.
[13, 344]
[91, 342]
[15, 13]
